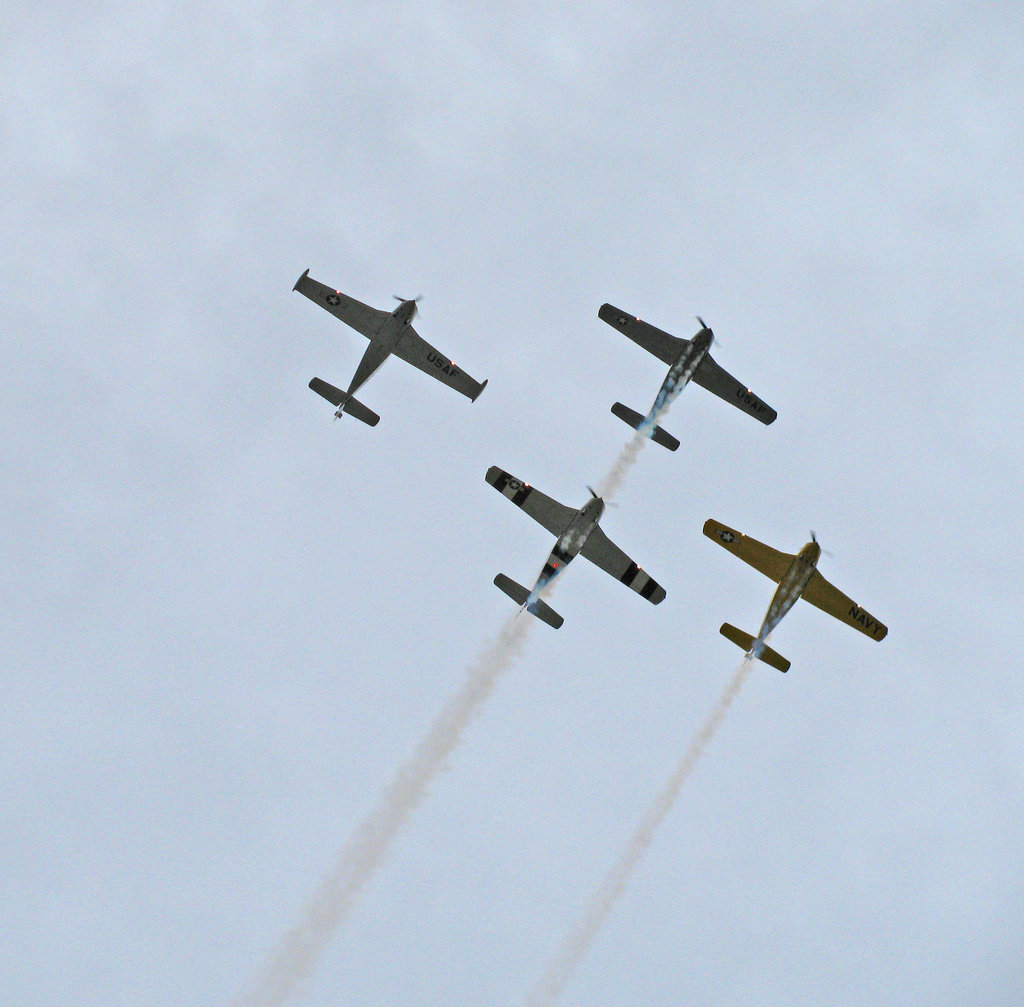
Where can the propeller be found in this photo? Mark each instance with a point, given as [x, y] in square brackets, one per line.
[415, 300]
[607, 503]
[704, 325]
[814, 539]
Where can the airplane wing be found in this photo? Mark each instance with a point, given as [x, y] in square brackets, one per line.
[364, 319]
[772, 563]
[665, 347]
[603, 552]
[415, 350]
[718, 380]
[545, 511]
[821, 594]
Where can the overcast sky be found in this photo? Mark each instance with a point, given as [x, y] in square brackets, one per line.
[227, 620]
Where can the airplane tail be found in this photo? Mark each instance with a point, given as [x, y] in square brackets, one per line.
[636, 421]
[520, 595]
[345, 403]
[746, 642]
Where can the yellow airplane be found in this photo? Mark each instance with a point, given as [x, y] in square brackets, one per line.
[797, 578]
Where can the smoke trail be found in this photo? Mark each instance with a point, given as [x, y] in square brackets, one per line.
[301, 948]
[576, 945]
[612, 482]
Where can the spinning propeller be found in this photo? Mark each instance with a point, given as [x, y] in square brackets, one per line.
[704, 325]
[607, 503]
[414, 301]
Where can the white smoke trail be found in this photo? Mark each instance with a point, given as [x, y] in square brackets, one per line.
[612, 482]
[301, 948]
[576, 945]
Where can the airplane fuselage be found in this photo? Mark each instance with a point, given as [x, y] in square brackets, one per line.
[390, 332]
[382, 344]
[569, 544]
[789, 590]
[680, 373]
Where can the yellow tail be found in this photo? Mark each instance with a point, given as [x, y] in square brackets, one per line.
[746, 642]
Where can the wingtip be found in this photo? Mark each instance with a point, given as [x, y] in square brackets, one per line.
[482, 387]
[300, 279]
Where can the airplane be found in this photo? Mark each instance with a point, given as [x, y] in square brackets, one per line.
[688, 359]
[388, 332]
[578, 534]
[797, 577]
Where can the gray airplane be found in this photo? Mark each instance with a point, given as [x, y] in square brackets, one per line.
[688, 359]
[388, 332]
[578, 534]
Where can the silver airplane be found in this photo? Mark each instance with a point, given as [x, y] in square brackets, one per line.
[797, 577]
[388, 332]
[578, 534]
[688, 359]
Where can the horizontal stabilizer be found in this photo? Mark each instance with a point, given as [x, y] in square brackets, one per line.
[635, 420]
[360, 412]
[344, 402]
[745, 642]
[519, 594]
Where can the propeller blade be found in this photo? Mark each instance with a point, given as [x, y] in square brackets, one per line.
[704, 325]
[825, 552]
